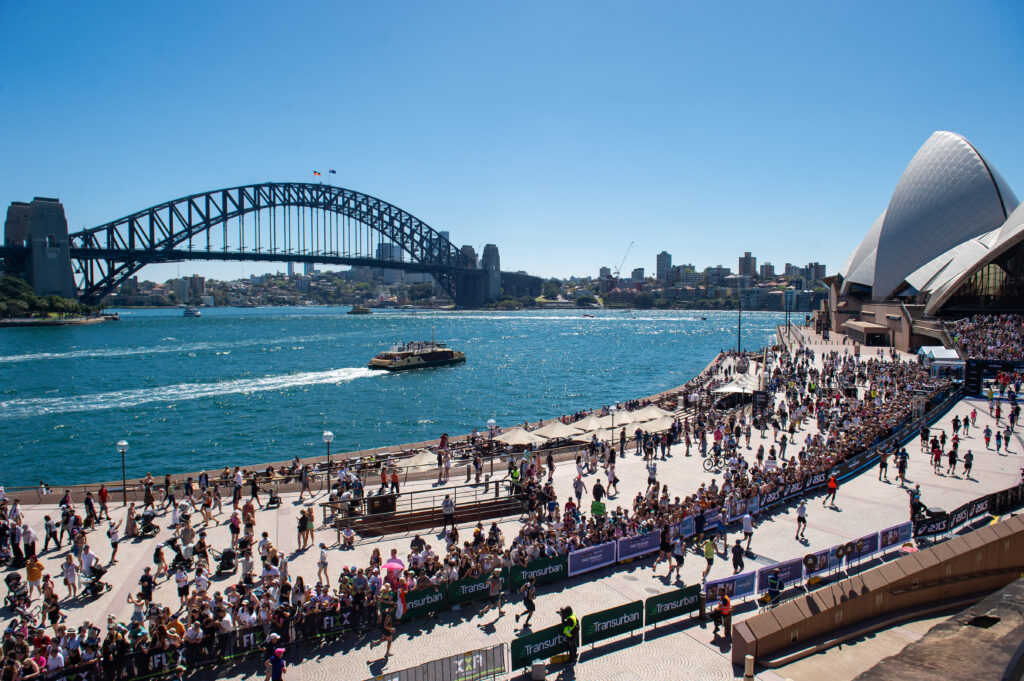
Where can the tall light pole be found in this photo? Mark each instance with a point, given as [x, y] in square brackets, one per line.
[122, 446]
[613, 409]
[328, 436]
[491, 424]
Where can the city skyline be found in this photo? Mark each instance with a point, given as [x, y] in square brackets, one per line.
[578, 127]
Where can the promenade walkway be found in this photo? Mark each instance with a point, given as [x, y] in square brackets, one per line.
[864, 504]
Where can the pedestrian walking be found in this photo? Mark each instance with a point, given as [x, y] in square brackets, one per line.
[801, 519]
[883, 466]
[737, 557]
[448, 512]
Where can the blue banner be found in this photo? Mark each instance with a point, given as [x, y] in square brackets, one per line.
[825, 560]
[736, 586]
[685, 528]
[895, 536]
[790, 571]
[591, 558]
[631, 547]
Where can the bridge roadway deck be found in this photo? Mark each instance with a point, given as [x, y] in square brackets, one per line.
[670, 652]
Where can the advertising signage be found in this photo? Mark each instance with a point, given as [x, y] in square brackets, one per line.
[612, 622]
[672, 604]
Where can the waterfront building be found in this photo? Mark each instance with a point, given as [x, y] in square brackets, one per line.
[949, 243]
[638, 275]
[664, 267]
[766, 272]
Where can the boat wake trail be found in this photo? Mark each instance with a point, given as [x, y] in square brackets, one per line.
[185, 348]
[120, 399]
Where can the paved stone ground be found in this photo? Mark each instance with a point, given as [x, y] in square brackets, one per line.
[684, 650]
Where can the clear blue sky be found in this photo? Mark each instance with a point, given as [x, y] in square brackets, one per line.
[559, 131]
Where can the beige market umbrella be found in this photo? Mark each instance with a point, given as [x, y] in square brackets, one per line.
[591, 422]
[556, 430]
[658, 425]
[649, 413]
[518, 436]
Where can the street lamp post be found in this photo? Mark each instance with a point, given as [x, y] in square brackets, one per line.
[328, 436]
[613, 409]
[122, 446]
[491, 424]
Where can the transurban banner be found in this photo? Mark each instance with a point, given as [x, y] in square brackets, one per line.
[612, 622]
[472, 588]
[423, 601]
[631, 547]
[591, 558]
[544, 570]
[538, 645]
[672, 604]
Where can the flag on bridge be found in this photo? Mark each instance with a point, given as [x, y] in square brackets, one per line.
[316, 173]
[332, 172]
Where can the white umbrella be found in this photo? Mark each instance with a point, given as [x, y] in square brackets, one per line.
[556, 430]
[658, 425]
[591, 422]
[649, 413]
[518, 436]
[621, 418]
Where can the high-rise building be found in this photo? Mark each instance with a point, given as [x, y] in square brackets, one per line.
[392, 253]
[664, 268]
[196, 286]
[638, 274]
[308, 268]
[748, 265]
[291, 270]
[716, 275]
[180, 289]
[767, 271]
[604, 272]
[814, 271]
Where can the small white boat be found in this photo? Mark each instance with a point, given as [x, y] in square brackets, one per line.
[191, 311]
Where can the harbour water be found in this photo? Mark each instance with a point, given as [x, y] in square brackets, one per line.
[243, 386]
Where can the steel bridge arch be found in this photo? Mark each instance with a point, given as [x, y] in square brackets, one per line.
[105, 256]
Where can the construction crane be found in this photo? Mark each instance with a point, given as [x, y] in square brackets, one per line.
[621, 262]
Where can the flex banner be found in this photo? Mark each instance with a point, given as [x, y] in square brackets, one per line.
[631, 547]
[423, 601]
[591, 558]
[612, 622]
[472, 588]
[736, 586]
[485, 663]
[544, 570]
[672, 604]
[544, 643]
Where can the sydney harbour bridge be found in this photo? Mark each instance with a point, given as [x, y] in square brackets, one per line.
[270, 222]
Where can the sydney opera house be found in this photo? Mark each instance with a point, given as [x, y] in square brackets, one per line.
[950, 243]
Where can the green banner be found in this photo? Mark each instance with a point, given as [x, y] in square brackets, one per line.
[672, 604]
[423, 601]
[538, 645]
[544, 570]
[597, 508]
[621, 619]
[473, 588]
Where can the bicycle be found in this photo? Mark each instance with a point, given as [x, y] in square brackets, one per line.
[713, 462]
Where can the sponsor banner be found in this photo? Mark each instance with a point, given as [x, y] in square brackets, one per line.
[333, 622]
[672, 604]
[544, 570]
[959, 516]
[771, 498]
[753, 505]
[978, 507]
[931, 526]
[737, 586]
[612, 622]
[538, 645]
[824, 561]
[817, 480]
[863, 547]
[591, 558]
[631, 547]
[684, 528]
[469, 666]
[472, 588]
[423, 601]
[895, 536]
[792, 489]
[790, 571]
[711, 520]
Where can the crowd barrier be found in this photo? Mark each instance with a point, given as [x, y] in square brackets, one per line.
[474, 665]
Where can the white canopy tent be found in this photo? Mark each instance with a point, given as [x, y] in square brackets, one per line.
[556, 430]
[518, 436]
[591, 422]
[649, 413]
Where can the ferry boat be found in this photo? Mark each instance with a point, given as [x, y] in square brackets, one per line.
[192, 312]
[358, 309]
[417, 355]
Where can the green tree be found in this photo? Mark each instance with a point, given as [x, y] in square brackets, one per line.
[551, 289]
[643, 301]
[586, 301]
[421, 291]
[527, 301]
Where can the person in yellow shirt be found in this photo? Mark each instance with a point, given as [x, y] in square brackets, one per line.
[34, 572]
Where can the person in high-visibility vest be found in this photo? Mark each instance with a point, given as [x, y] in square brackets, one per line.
[722, 613]
[570, 628]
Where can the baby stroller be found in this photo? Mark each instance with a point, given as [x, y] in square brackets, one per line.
[227, 561]
[94, 585]
[274, 501]
[182, 556]
[17, 591]
[147, 525]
